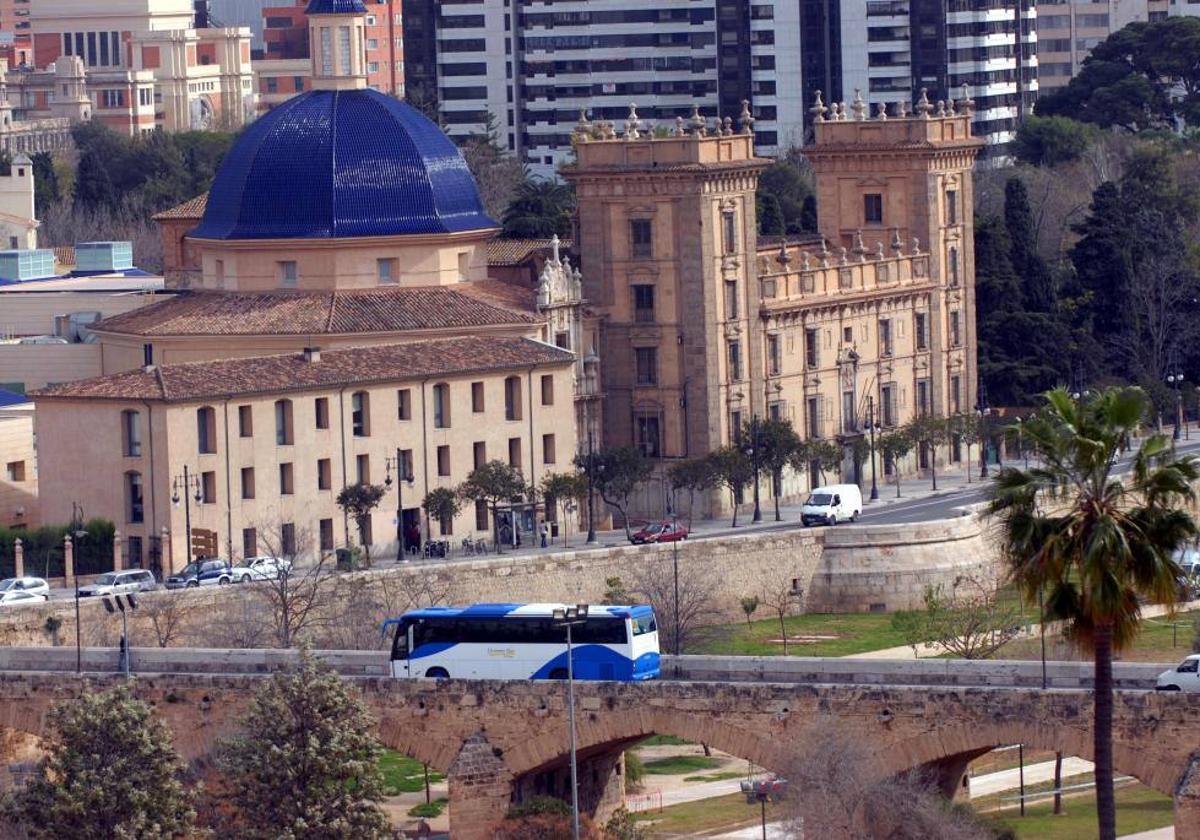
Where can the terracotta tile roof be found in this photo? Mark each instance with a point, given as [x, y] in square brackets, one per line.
[507, 295]
[517, 251]
[193, 208]
[314, 313]
[336, 368]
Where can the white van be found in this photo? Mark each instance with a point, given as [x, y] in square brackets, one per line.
[831, 505]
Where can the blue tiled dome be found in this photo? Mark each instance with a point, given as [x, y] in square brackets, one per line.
[335, 7]
[342, 163]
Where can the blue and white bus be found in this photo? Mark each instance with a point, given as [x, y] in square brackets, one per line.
[522, 642]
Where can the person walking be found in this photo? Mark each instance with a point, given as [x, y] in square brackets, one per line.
[545, 532]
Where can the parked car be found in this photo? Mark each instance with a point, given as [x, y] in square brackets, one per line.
[665, 531]
[34, 585]
[1183, 677]
[202, 573]
[17, 597]
[1188, 560]
[261, 568]
[832, 504]
[118, 583]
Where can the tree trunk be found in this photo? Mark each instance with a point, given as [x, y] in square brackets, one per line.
[933, 464]
[1058, 782]
[707, 749]
[735, 507]
[776, 486]
[1106, 809]
[968, 462]
[897, 468]
[783, 633]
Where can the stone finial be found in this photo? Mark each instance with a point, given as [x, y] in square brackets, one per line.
[554, 244]
[967, 103]
[858, 106]
[879, 249]
[727, 127]
[805, 264]
[818, 109]
[583, 128]
[783, 258]
[746, 118]
[699, 123]
[610, 133]
[857, 245]
[941, 108]
[680, 129]
[897, 245]
[916, 249]
[923, 107]
[950, 107]
[903, 109]
[843, 255]
[633, 123]
[823, 254]
[881, 111]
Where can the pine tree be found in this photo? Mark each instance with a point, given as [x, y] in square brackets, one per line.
[1104, 267]
[110, 772]
[308, 764]
[1037, 288]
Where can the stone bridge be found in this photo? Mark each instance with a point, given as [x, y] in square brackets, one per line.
[500, 742]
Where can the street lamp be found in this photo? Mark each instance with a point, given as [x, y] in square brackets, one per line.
[984, 410]
[568, 617]
[404, 476]
[1176, 380]
[754, 459]
[760, 792]
[186, 486]
[871, 428]
[120, 601]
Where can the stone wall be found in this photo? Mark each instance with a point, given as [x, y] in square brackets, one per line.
[833, 569]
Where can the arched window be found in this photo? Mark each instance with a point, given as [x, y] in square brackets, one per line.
[133, 498]
[131, 433]
[441, 406]
[206, 430]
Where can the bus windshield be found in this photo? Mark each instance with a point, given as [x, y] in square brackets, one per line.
[644, 624]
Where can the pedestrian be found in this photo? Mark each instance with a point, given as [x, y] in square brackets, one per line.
[545, 531]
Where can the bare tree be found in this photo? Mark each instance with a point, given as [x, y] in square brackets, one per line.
[970, 620]
[836, 790]
[399, 593]
[169, 614]
[781, 595]
[655, 581]
[1164, 287]
[295, 603]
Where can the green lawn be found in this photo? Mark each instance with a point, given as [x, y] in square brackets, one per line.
[678, 764]
[663, 741]
[402, 774]
[1138, 809]
[716, 777]
[706, 816]
[1157, 642]
[849, 634]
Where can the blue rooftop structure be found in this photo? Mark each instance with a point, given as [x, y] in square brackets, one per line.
[335, 7]
[336, 163]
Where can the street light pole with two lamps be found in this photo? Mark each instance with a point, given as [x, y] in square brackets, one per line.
[404, 476]
[568, 617]
[1176, 381]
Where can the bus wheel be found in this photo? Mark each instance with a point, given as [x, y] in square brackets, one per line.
[558, 674]
[437, 674]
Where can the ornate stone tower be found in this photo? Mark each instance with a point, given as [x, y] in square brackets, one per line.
[667, 240]
[70, 98]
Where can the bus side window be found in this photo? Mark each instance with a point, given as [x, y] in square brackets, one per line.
[400, 641]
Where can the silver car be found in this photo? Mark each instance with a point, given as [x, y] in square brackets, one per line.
[261, 568]
[15, 597]
[33, 585]
[118, 583]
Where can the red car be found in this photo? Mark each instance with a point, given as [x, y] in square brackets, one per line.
[665, 531]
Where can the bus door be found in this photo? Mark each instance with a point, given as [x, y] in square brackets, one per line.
[401, 648]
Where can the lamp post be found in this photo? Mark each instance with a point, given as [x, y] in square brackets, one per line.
[761, 792]
[754, 460]
[403, 476]
[80, 533]
[871, 428]
[121, 601]
[568, 617]
[591, 466]
[1176, 380]
[187, 486]
[984, 410]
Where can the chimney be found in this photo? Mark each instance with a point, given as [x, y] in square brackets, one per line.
[312, 355]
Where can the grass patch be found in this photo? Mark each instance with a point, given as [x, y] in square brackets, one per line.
[402, 774]
[716, 777]
[852, 633]
[429, 810]
[1138, 809]
[1156, 642]
[705, 816]
[678, 764]
[663, 741]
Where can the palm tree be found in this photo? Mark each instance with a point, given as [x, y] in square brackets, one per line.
[1102, 542]
[541, 208]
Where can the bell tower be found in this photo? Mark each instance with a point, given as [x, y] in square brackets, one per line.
[337, 44]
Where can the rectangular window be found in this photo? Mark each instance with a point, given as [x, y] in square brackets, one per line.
[735, 360]
[287, 538]
[208, 488]
[477, 397]
[15, 470]
[955, 394]
[134, 507]
[921, 331]
[887, 407]
[321, 410]
[813, 415]
[479, 452]
[249, 542]
[344, 50]
[446, 526]
[245, 421]
[885, 337]
[247, 482]
[326, 52]
[404, 404]
[547, 389]
[812, 348]
[132, 421]
[325, 526]
[481, 515]
[443, 460]
[643, 303]
[362, 469]
[206, 431]
[386, 269]
[547, 449]
[646, 360]
[640, 237]
[563, 340]
[951, 207]
[360, 413]
[287, 274]
[324, 474]
[955, 329]
[514, 452]
[647, 436]
[512, 398]
[286, 483]
[406, 464]
[732, 309]
[774, 358]
[283, 423]
[729, 237]
[952, 261]
[441, 406]
[922, 397]
[735, 426]
[873, 209]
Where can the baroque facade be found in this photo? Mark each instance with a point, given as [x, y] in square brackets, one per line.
[705, 327]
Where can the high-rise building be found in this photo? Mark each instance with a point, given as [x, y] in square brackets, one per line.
[1068, 30]
[525, 69]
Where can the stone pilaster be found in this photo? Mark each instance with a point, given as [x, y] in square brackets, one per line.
[480, 788]
[118, 558]
[18, 558]
[68, 562]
